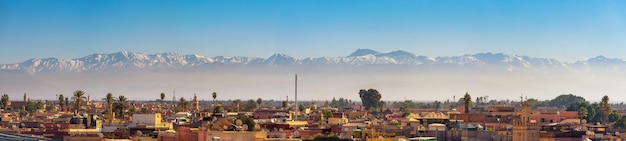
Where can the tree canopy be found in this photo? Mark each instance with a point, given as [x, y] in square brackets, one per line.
[566, 100]
[371, 99]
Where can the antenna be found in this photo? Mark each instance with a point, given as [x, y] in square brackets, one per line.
[296, 92]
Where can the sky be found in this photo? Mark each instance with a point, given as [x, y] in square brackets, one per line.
[67, 29]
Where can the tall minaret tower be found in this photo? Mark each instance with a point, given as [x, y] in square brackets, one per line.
[296, 92]
[195, 103]
[524, 129]
[25, 98]
[88, 99]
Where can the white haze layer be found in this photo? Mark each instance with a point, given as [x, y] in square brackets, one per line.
[312, 85]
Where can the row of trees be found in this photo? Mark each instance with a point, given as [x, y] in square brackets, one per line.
[595, 112]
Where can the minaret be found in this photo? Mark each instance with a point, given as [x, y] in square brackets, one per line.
[25, 100]
[524, 129]
[88, 99]
[195, 103]
[174, 96]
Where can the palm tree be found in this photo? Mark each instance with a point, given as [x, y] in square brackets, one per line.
[183, 104]
[121, 105]
[582, 113]
[259, 101]
[79, 97]
[5, 101]
[214, 96]
[162, 96]
[467, 99]
[109, 99]
[61, 101]
[605, 108]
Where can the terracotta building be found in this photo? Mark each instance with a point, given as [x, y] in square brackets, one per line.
[524, 129]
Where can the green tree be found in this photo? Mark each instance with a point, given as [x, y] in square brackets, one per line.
[285, 104]
[4, 101]
[249, 105]
[132, 110]
[121, 105]
[301, 108]
[78, 98]
[61, 101]
[259, 101]
[534, 103]
[145, 110]
[595, 113]
[214, 96]
[614, 116]
[405, 110]
[218, 109]
[437, 105]
[582, 113]
[109, 99]
[30, 106]
[183, 104]
[620, 123]
[467, 99]
[162, 96]
[326, 113]
[566, 100]
[371, 99]
[247, 121]
[605, 108]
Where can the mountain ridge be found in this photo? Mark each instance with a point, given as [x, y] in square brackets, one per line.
[125, 60]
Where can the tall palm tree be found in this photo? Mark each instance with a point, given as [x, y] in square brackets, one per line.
[259, 101]
[605, 108]
[61, 101]
[467, 99]
[582, 113]
[121, 105]
[109, 99]
[5, 101]
[214, 96]
[79, 97]
[162, 96]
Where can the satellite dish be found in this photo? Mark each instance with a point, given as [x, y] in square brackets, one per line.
[244, 127]
[257, 127]
[138, 133]
[238, 122]
[296, 133]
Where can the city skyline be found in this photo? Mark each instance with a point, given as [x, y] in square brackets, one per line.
[567, 31]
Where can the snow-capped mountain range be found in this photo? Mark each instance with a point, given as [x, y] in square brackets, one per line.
[125, 60]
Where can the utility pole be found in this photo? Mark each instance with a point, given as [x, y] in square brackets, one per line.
[296, 98]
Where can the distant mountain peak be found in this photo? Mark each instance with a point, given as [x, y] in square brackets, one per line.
[363, 52]
[126, 60]
[397, 53]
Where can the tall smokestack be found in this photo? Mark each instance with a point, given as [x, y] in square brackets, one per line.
[296, 99]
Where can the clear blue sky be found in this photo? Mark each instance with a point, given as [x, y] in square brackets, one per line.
[562, 29]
